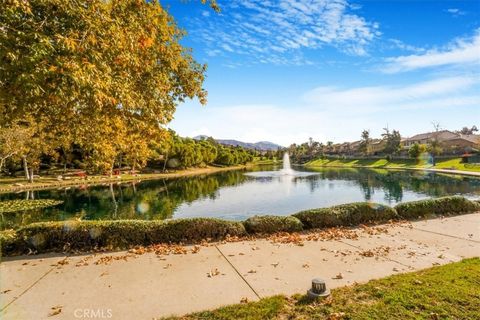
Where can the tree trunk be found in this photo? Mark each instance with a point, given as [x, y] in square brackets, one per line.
[25, 167]
[31, 175]
[111, 169]
[165, 162]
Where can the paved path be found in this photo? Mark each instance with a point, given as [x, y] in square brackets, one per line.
[148, 286]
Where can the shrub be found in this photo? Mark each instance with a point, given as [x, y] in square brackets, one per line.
[345, 215]
[10, 242]
[272, 224]
[441, 206]
[84, 235]
[195, 229]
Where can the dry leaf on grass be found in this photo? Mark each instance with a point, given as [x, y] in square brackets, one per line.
[336, 316]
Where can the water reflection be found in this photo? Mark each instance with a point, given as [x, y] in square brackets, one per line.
[233, 195]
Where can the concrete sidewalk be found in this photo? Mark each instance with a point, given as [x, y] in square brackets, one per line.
[124, 285]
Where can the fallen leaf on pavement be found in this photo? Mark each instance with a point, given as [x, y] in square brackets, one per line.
[213, 273]
[338, 276]
[196, 249]
[55, 310]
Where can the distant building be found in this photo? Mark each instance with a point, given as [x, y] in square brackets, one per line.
[449, 140]
[377, 145]
[427, 138]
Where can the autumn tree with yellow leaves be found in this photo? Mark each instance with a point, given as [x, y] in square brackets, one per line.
[105, 75]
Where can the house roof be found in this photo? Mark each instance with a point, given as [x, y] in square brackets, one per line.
[474, 138]
[440, 135]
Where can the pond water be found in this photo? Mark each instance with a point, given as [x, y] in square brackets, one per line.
[235, 196]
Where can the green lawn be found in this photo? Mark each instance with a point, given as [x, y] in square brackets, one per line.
[446, 292]
[452, 164]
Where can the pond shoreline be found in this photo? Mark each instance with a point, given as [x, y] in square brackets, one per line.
[50, 182]
[446, 171]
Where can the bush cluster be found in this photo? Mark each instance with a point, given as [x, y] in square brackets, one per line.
[440, 206]
[85, 235]
[10, 242]
[272, 224]
[346, 215]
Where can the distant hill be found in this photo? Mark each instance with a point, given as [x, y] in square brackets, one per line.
[261, 145]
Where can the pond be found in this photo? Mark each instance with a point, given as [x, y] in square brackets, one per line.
[235, 196]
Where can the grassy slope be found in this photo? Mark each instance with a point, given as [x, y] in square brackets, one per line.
[447, 292]
[384, 163]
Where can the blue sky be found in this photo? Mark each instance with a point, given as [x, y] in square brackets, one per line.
[286, 70]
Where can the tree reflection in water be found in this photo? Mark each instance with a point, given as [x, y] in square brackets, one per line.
[160, 199]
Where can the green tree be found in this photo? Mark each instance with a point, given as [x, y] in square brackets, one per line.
[416, 150]
[392, 141]
[365, 144]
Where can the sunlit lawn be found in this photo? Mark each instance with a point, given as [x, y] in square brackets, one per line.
[453, 164]
[446, 292]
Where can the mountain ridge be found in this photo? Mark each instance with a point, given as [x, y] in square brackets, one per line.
[260, 145]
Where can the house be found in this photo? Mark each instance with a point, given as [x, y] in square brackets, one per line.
[450, 141]
[427, 138]
[377, 145]
[469, 142]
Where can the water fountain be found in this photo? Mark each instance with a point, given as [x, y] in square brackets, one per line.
[287, 168]
[285, 171]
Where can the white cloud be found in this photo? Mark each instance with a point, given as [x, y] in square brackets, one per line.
[464, 51]
[455, 12]
[331, 113]
[398, 44]
[365, 99]
[273, 31]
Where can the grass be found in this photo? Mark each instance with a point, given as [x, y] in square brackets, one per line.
[449, 164]
[445, 292]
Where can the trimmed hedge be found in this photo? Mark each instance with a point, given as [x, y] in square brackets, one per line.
[346, 215]
[441, 206]
[84, 235]
[10, 242]
[272, 224]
